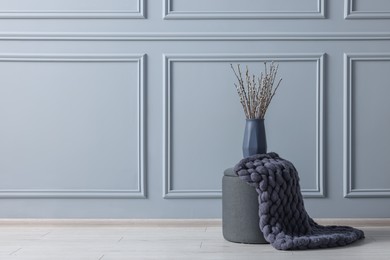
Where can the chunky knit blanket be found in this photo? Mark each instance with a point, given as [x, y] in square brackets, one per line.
[283, 218]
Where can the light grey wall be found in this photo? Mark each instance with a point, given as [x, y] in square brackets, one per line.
[127, 109]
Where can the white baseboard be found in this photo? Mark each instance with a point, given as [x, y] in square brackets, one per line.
[115, 222]
[359, 222]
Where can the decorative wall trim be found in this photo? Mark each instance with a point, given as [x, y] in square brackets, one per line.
[349, 190]
[153, 36]
[139, 13]
[139, 192]
[168, 191]
[350, 13]
[169, 13]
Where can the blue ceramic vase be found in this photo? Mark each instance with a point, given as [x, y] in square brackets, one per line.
[255, 141]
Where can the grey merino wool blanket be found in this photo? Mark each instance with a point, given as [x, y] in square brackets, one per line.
[283, 218]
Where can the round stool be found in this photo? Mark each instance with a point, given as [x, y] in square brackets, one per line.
[240, 211]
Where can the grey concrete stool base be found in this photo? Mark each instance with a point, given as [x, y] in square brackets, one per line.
[240, 211]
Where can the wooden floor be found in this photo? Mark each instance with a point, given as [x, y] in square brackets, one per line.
[100, 240]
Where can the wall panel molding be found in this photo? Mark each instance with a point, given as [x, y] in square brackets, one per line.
[169, 59]
[138, 13]
[169, 13]
[349, 190]
[139, 192]
[350, 13]
[153, 36]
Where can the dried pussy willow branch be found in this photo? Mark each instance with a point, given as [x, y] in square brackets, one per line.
[256, 93]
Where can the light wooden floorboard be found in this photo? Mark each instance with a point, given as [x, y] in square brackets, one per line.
[202, 240]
